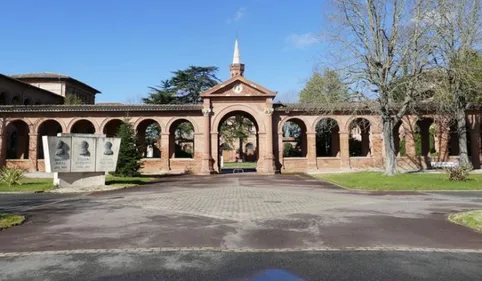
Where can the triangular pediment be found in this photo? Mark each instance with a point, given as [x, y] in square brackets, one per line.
[238, 86]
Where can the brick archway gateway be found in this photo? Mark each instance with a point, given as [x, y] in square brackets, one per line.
[19, 134]
[222, 117]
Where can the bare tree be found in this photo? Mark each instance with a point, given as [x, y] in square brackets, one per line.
[386, 46]
[458, 30]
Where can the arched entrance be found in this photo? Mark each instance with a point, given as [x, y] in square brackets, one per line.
[17, 140]
[149, 138]
[238, 143]
[83, 126]
[111, 127]
[47, 128]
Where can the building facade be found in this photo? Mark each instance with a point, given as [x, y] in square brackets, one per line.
[60, 84]
[350, 142]
[16, 92]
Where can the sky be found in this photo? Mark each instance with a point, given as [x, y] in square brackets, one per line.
[121, 47]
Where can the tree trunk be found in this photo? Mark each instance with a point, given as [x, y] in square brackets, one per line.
[462, 132]
[389, 146]
[241, 149]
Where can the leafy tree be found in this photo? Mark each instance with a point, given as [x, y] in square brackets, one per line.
[459, 84]
[380, 43]
[184, 87]
[324, 88]
[72, 99]
[152, 133]
[128, 162]
[236, 128]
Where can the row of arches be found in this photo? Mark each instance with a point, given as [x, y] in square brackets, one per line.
[148, 133]
[427, 139]
[294, 138]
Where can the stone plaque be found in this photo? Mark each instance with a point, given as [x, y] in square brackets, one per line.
[83, 154]
[107, 154]
[58, 153]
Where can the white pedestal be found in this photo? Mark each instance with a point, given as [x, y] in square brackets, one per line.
[79, 179]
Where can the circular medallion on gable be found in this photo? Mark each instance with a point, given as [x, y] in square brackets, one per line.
[238, 88]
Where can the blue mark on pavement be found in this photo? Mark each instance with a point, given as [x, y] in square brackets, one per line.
[276, 275]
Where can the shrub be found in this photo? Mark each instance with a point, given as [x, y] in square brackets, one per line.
[459, 172]
[128, 162]
[11, 176]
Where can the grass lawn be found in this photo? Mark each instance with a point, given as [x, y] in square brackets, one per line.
[28, 185]
[471, 219]
[378, 181]
[9, 220]
[32, 185]
[242, 165]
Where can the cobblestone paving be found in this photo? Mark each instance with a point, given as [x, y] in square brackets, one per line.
[244, 212]
[237, 202]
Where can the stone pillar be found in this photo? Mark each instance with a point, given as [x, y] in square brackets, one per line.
[164, 147]
[269, 167]
[207, 163]
[345, 149]
[311, 154]
[475, 140]
[32, 152]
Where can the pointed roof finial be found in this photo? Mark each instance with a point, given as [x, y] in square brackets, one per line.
[236, 55]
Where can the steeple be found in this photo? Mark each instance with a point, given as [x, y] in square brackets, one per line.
[237, 68]
[236, 55]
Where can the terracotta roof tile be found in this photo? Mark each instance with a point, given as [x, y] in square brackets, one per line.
[100, 107]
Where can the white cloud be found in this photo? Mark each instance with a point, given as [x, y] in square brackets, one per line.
[237, 16]
[304, 40]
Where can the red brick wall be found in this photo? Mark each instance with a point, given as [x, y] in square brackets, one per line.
[295, 165]
[328, 162]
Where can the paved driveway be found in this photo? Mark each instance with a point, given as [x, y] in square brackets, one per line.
[238, 211]
[229, 266]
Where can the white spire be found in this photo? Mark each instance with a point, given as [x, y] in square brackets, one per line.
[236, 55]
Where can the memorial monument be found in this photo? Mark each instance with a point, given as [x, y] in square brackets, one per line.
[80, 160]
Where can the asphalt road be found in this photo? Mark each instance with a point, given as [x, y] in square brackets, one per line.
[212, 266]
[238, 211]
[22, 202]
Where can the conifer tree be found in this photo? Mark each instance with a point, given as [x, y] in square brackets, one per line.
[128, 162]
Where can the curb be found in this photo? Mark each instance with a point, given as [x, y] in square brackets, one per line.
[239, 250]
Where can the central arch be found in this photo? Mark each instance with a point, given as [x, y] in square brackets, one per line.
[238, 147]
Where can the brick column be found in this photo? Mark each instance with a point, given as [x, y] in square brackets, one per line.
[280, 150]
[311, 153]
[269, 167]
[207, 163]
[32, 152]
[376, 148]
[441, 142]
[164, 148]
[345, 149]
[215, 152]
[410, 148]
